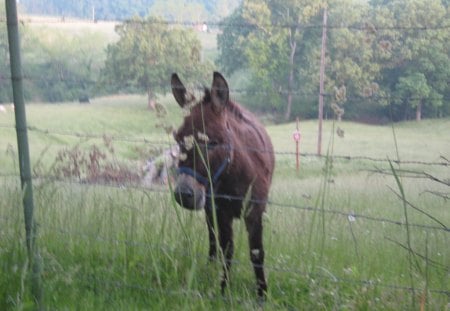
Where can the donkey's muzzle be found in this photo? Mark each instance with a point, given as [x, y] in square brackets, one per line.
[190, 196]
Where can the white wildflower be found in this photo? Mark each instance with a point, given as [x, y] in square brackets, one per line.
[203, 136]
[189, 142]
[182, 156]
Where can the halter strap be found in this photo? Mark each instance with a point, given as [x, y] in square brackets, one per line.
[189, 171]
[202, 179]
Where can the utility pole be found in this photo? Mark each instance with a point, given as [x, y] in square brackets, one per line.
[322, 78]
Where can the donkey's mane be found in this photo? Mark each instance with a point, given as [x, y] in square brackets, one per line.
[233, 107]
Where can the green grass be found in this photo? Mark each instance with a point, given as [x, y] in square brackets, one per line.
[127, 248]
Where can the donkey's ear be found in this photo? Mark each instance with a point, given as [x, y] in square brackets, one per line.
[178, 90]
[220, 93]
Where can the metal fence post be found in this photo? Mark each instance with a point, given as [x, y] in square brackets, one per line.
[24, 154]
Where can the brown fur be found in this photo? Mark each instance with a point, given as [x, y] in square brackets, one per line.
[235, 134]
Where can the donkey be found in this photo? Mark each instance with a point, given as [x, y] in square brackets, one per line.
[225, 167]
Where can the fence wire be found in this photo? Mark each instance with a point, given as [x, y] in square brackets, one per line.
[114, 137]
[349, 215]
[310, 276]
[269, 267]
[278, 268]
[166, 88]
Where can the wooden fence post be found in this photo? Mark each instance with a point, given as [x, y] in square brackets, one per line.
[322, 81]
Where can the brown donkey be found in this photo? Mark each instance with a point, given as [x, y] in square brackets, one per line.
[226, 161]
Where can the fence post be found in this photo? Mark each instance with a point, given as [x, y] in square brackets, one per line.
[34, 259]
[297, 137]
[322, 81]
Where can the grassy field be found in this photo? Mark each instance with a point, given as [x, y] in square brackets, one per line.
[332, 233]
[71, 26]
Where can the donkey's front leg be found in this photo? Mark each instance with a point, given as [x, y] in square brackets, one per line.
[225, 222]
[253, 222]
[211, 233]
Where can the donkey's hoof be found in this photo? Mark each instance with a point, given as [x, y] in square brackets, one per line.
[262, 292]
[223, 286]
[212, 258]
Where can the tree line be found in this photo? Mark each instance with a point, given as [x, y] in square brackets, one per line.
[384, 59]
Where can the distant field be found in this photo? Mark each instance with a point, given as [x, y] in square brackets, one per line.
[128, 116]
[332, 233]
[105, 30]
[72, 26]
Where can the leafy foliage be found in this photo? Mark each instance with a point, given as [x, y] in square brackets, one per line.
[146, 54]
[388, 56]
[416, 67]
[267, 49]
[231, 42]
[391, 59]
[60, 67]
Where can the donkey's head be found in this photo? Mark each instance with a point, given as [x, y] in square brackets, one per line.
[204, 141]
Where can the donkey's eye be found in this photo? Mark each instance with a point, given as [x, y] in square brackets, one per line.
[212, 144]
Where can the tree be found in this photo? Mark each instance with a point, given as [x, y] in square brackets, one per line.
[266, 36]
[147, 52]
[373, 50]
[294, 13]
[57, 67]
[60, 67]
[352, 68]
[416, 56]
[231, 42]
[412, 89]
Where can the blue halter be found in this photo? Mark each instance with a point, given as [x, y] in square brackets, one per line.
[202, 179]
[205, 180]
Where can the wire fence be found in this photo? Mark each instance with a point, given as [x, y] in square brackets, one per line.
[278, 268]
[165, 88]
[443, 161]
[196, 294]
[349, 216]
[199, 295]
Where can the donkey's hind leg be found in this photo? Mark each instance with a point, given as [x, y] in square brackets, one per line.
[253, 222]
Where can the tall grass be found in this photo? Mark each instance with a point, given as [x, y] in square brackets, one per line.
[125, 247]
